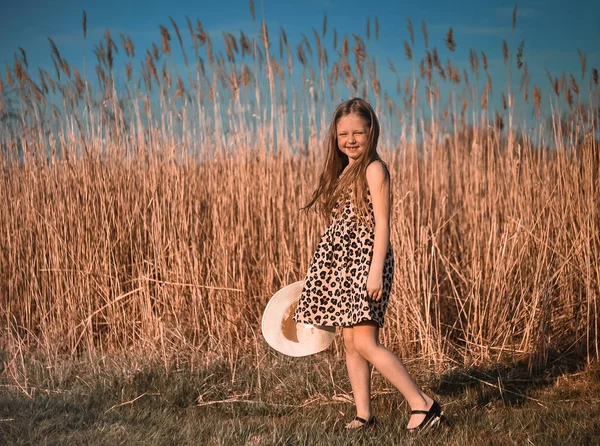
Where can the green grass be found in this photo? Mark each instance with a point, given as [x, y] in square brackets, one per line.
[291, 402]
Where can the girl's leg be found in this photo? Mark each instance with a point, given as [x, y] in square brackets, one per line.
[366, 343]
[360, 377]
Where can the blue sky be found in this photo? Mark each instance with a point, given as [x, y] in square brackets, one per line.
[553, 30]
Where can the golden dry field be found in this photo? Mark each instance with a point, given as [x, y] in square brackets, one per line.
[150, 215]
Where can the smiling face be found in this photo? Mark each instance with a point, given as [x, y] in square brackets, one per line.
[352, 136]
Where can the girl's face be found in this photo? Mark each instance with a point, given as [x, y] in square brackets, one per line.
[352, 135]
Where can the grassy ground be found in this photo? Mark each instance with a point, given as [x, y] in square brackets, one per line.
[294, 401]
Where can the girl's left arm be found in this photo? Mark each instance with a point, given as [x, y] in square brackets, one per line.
[379, 186]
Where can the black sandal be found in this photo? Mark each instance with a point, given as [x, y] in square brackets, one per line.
[365, 424]
[433, 416]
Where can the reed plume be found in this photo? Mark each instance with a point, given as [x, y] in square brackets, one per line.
[20, 73]
[124, 43]
[450, 44]
[306, 44]
[524, 77]
[319, 48]
[411, 33]
[130, 46]
[537, 100]
[165, 39]
[79, 85]
[24, 57]
[484, 97]
[569, 98]
[246, 45]
[110, 47]
[574, 85]
[252, 10]
[178, 34]
[151, 67]
[359, 54]
[129, 71]
[209, 51]
[335, 37]
[84, 24]
[392, 67]
[56, 67]
[55, 51]
[301, 55]
[474, 62]
[520, 54]
[180, 89]
[407, 51]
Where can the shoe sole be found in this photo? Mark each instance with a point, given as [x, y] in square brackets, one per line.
[434, 422]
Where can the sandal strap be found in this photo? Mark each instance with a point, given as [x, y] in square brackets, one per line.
[415, 412]
[364, 424]
[371, 421]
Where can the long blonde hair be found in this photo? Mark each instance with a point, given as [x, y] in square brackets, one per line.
[331, 186]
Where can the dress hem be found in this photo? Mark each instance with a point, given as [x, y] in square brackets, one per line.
[338, 324]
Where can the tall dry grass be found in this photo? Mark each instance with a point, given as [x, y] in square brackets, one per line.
[160, 216]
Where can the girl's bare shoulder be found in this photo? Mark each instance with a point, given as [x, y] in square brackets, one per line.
[377, 173]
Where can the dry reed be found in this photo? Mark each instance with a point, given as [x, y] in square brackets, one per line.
[179, 220]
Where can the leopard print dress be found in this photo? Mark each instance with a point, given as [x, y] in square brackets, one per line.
[335, 287]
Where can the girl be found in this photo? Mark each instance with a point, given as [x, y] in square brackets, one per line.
[350, 275]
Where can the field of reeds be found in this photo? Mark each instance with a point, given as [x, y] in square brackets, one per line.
[152, 214]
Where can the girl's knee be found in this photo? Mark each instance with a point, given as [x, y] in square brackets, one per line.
[365, 339]
[348, 335]
[349, 342]
[365, 346]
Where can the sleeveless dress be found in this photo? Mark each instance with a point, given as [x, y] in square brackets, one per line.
[335, 287]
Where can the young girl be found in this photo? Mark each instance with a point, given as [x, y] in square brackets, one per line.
[350, 275]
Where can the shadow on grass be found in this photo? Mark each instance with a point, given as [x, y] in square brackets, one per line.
[216, 406]
[135, 406]
[513, 384]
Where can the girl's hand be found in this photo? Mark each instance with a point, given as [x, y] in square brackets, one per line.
[375, 286]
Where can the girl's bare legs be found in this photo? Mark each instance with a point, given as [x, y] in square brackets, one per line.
[365, 341]
[360, 378]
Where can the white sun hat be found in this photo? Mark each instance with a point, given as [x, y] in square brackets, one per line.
[285, 335]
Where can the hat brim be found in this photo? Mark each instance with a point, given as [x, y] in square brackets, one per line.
[285, 335]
